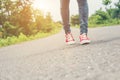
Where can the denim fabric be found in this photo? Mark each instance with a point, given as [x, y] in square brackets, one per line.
[83, 15]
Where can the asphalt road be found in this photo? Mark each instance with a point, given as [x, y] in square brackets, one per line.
[51, 59]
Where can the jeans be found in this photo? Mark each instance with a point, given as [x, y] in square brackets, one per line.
[83, 15]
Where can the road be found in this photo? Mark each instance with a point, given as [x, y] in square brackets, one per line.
[51, 59]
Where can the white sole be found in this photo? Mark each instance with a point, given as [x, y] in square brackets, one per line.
[71, 42]
[85, 42]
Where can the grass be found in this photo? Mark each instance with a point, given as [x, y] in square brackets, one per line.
[97, 25]
[22, 38]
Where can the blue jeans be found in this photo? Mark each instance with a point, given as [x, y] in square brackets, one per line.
[83, 15]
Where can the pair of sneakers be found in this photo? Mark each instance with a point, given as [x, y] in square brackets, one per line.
[83, 39]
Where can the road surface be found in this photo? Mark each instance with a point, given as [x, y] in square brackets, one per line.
[51, 59]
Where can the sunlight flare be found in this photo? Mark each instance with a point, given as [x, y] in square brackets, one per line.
[40, 4]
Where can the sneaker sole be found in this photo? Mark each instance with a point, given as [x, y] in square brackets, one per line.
[85, 42]
[71, 42]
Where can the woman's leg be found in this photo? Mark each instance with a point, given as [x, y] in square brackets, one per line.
[65, 15]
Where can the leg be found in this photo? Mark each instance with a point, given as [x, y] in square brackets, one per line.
[65, 15]
[83, 12]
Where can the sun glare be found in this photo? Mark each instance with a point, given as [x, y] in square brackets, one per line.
[40, 4]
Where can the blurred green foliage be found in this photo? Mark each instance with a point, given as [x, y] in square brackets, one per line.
[19, 21]
[111, 16]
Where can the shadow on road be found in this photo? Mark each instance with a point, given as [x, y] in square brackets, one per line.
[92, 43]
[105, 41]
[77, 45]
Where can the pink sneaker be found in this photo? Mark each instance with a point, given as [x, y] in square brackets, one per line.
[84, 39]
[69, 39]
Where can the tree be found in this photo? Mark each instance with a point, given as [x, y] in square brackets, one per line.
[108, 6]
[38, 20]
[75, 20]
[49, 17]
[107, 2]
[17, 13]
[100, 17]
[116, 11]
[48, 23]
[8, 30]
[18, 16]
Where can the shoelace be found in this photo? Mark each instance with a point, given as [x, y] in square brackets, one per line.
[69, 36]
[83, 37]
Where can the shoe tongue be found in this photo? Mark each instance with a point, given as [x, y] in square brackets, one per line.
[84, 34]
[68, 35]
